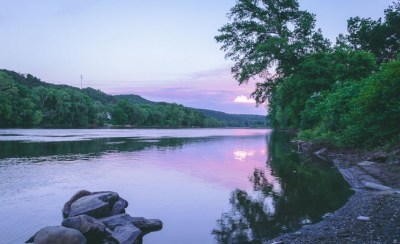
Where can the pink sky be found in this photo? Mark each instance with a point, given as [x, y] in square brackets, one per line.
[162, 50]
[213, 89]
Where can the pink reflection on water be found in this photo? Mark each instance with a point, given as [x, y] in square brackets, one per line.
[227, 163]
[241, 155]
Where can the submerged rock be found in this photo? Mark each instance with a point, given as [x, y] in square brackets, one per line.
[59, 235]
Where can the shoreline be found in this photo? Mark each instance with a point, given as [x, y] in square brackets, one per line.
[130, 127]
[371, 215]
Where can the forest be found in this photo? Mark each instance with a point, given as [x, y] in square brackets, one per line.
[26, 101]
[345, 94]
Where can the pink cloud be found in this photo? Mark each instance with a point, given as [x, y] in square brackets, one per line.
[244, 99]
[213, 89]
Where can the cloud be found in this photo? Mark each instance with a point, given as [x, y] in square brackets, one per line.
[213, 89]
[244, 99]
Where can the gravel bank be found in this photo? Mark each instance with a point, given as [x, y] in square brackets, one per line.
[343, 226]
[370, 216]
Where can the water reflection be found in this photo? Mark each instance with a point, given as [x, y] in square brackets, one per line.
[253, 179]
[241, 155]
[292, 190]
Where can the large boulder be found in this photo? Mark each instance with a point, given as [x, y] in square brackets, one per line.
[91, 228]
[96, 205]
[59, 235]
[67, 206]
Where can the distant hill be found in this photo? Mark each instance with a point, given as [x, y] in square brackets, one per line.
[46, 104]
[98, 95]
[132, 98]
[235, 120]
[230, 120]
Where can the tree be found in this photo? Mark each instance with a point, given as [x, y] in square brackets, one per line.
[120, 113]
[315, 74]
[8, 92]
[376, 36]
[265, 34]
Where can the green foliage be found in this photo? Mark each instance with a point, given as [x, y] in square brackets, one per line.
[265, 34]
[315, 74]
[17, 105]
[346, 95]
[376, 36]
[158, 115]
[357, 114]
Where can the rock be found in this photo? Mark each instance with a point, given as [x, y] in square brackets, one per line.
[306, 147]
[147, 225]
[93, 229]
[97, 205]
[116, 220]
[375, 186]
[97, 217]
[59, 235]
[327, 215]
[126, 234]
[119, 207]
[67, 206]
[366, 163]
[305, 221]
[321, 151]
[378, 156]
[363, 218]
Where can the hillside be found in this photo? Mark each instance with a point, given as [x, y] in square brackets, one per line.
[131, 98]
[28, 101]
[235, 120]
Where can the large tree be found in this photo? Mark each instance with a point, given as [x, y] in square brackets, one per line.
[268, 34]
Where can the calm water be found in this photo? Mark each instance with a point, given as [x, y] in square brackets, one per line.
[206, 185]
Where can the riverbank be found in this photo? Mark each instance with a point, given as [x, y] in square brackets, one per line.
[372, 214]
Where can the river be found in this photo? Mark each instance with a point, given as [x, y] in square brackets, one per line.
[206, 185]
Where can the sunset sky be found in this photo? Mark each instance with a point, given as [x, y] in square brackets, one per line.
[161, 50]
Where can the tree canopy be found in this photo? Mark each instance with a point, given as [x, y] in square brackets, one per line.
[311, 84]
[268, 34]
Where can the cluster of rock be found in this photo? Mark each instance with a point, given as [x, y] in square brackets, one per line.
[97, 217]
[322, 151]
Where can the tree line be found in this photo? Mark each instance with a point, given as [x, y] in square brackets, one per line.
[26, 101]
[345, 93]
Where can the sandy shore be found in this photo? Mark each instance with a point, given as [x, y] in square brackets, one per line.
[372, 214]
